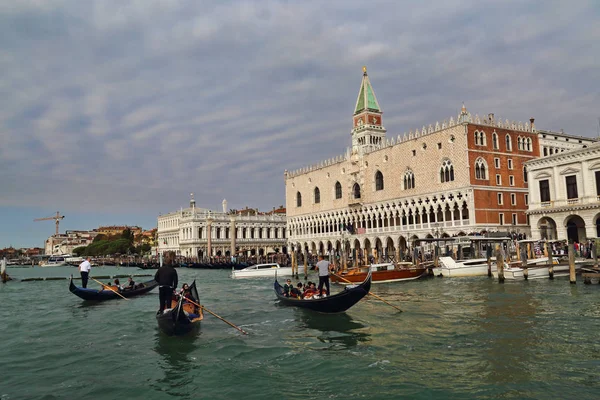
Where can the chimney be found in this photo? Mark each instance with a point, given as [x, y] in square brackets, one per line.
[532, 122]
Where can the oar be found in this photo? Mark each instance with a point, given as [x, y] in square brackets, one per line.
[109, 288]
[215, 315]
[370, 293]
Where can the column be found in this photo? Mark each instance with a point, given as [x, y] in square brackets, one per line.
[209, 237]
[232, 236]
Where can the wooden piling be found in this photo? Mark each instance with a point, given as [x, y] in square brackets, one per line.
[572, 277]
[488, 254]
[305, 265]
[548, 252]
[500, 263]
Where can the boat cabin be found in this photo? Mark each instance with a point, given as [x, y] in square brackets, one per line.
[263, 266]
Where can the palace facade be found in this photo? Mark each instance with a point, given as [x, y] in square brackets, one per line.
[565, 195]
[463, 176]
[202, 233]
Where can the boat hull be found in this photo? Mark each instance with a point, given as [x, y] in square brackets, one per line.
[261, 273]
[396, 275]
[102, 295]
[170, 325]
[452, 269]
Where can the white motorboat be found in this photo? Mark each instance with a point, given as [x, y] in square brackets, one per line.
[449, 267]
[55, 261]
[262, 270]
[536, 269]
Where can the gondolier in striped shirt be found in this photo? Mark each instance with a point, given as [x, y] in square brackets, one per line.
[167, 279]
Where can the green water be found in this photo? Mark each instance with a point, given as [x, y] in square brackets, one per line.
[458, 338]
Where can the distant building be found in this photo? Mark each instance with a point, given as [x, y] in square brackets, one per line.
[200, 232]
[64, 243]
[465, 175]
[118, 229]
[564, 195]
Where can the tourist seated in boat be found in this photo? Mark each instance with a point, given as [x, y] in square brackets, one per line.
[287, 288]
[297, 291]
[117, 285]
[311, 291]
[186, 292]
[130, 284]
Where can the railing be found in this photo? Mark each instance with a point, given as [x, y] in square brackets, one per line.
[572, 201]
[547, 203]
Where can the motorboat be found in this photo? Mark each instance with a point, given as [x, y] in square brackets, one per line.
[261, 270]
[381, 273]
[55, 261]
[536, 269]
[449, 267]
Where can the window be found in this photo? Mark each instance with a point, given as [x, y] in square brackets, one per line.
[409, 180]
[298, 200]
[545, 151]
[501, 218]
[514, 219]
[497, 162]
[498, 179]
[378, 181]
[526, 199]
[513, 199]
[414, 153]
[356, 191]
[480, 169]
[511, 180]
[510, 163]
[317, 195]
[544, 190]
[524, 174]
[338, 190]
[597, 183]
[480, 138]
[571, 181]
[495, 140]
[529, 145]
[439, 146]
[508, 143]
[446, 171]
[520, 143]
[500, 199]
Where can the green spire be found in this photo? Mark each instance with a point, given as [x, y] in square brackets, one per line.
[366, 96]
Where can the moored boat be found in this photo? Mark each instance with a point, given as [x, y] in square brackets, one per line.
[335, 303]
[382, 273]
[107, 294]
[262, 270]
[183, 317]
[449, 267]
[56, 261]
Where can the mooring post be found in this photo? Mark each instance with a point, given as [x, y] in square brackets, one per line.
[596, 244]
[500, 263]
[488, 254]
[572, 277]
[305, 264]
[548, 251]
[436, 256]
[524, 260]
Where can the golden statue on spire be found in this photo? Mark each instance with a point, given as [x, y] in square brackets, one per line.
[364, 69]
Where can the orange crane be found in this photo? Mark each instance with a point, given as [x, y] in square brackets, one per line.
[56, 217]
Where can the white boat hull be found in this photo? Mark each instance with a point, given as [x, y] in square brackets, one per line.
[261, 273]
[533, 272]
[452, 269]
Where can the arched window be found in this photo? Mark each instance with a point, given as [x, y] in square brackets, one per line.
[495, 140]
[446, 171]
[409, 180]
[545, 151]
[298, 200]
[520, 145]
[508, 143]
[317, 195]
[529, 144]
[338, 190]
[356, 191]
[524, 174]
[480, 169]
[476, 138]
[378, 180]
[482, 138]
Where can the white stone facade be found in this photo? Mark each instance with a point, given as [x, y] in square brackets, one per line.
[64, 243]
[558, 142]
[558, 212]
[198, 232]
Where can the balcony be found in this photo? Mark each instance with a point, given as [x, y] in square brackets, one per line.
[572, 201]
[546, 204]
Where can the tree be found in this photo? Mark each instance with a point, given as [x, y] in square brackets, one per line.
[127, 234]
[100, 237]
[78, 251]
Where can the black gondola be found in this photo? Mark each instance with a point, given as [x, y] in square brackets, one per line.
[336, 303]
[107, 294]
[184, 317]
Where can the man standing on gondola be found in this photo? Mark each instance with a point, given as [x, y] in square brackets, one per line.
[84, 270]
[166, 276]
[323, 268]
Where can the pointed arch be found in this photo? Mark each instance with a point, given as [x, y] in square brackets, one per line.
[481, 169]
[338, 190]
[446, 171]
[298, 199]
[356, 191]
[409, 180]
[378, 180]
[317, 195]
[495, 140]
[508, 141]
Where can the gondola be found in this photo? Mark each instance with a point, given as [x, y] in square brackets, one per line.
[107, 294]
[335, 303]
[183, 317]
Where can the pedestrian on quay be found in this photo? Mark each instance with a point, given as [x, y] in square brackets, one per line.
[323, 267]
[84, 270]
[167, 279]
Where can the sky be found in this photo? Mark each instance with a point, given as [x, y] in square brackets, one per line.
[113, 112]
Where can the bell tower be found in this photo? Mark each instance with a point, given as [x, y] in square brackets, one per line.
[368, 132]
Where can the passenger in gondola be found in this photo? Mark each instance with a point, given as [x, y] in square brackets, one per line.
[117, 284]
[287, 288]
[297, 291]
[310, 291]
[130, 284]
[186, 292]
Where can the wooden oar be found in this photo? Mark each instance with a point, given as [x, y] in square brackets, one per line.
[370, 293]
[109, 288]
[215, 315]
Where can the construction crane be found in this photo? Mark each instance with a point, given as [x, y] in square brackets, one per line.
[56, 217]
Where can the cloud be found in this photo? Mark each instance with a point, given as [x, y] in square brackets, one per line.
[146, 101]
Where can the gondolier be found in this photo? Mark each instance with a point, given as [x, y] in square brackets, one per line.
[84, 270]
[166, 276]
[323, 267]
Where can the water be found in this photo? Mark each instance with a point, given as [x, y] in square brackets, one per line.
[458, 338]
